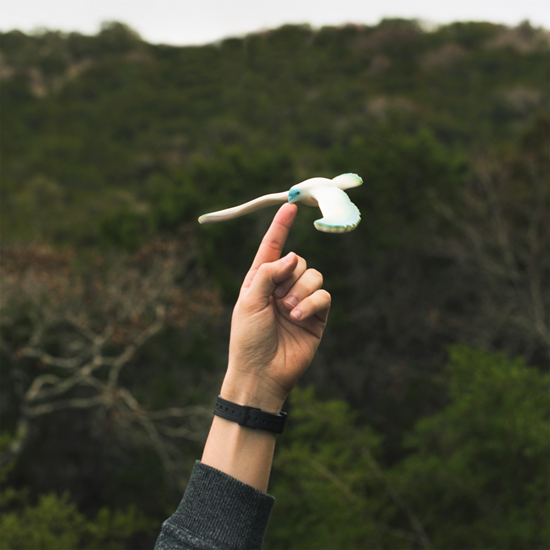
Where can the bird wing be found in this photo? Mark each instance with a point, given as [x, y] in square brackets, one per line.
[246, 208]
[346, 181]
[339, 213]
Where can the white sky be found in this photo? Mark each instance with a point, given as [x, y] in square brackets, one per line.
[203, 21]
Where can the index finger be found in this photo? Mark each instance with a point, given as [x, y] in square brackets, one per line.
[274, 240]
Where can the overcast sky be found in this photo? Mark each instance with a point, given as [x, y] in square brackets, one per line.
[203, 21]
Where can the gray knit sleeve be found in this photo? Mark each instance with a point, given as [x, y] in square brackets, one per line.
[217, 512]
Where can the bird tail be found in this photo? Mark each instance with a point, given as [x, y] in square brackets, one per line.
[346, 181]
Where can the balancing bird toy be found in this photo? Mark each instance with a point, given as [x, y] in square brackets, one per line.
[340, 215]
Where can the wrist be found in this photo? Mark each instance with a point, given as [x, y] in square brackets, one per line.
[252, 393]
[250, 417]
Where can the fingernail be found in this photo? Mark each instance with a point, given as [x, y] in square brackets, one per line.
[279, 292]
[291, 302]
[296, 314]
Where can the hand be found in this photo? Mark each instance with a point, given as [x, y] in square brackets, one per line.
[277, 323]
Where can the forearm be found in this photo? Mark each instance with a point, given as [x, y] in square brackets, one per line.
[277, 325]
[243, 453]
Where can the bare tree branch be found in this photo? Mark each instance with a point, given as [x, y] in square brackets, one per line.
[83, 334]
[503, 240]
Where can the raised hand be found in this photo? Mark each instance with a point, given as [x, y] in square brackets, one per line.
[277, 323]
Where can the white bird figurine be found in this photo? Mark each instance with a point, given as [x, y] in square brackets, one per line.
[339, 213]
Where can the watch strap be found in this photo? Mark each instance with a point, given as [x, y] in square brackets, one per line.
[250, 417]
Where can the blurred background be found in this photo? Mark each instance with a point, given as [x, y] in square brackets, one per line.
[424, 420]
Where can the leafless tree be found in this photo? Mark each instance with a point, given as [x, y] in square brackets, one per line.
[85, 329]
[502, 241]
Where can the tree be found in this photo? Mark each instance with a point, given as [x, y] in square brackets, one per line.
[54, 523]
[501, 244]
[331, 490]
[477, 474]
[67, 339]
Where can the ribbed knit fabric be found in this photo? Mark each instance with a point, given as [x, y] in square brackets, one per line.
[217, 512]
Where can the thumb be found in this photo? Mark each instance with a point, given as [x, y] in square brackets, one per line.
[268, 276]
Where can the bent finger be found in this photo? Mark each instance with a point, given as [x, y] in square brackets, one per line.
[283, 287]
[267, 277]
[316, 305]
[307, 284]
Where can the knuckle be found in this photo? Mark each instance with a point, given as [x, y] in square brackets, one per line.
[317, 276]
[271, 244]
[264, 270]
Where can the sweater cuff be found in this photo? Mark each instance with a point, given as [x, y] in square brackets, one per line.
[221, 510]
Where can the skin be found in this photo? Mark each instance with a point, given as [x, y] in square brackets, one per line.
[277, 325]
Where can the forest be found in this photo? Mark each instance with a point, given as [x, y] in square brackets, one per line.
[424, 420]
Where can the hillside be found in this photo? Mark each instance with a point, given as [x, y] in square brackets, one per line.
[111, 149]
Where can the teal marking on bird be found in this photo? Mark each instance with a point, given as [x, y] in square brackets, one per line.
[340, 215]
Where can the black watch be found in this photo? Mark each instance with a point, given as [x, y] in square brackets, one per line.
[250, 417]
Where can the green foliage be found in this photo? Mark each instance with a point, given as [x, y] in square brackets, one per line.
[476, 475]
[478, 470]
[469, 35]
[402, 170]
[323, 478]
[116, 38]
[54, 523]
[114, 142]
[127, 229]
[101, 114]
